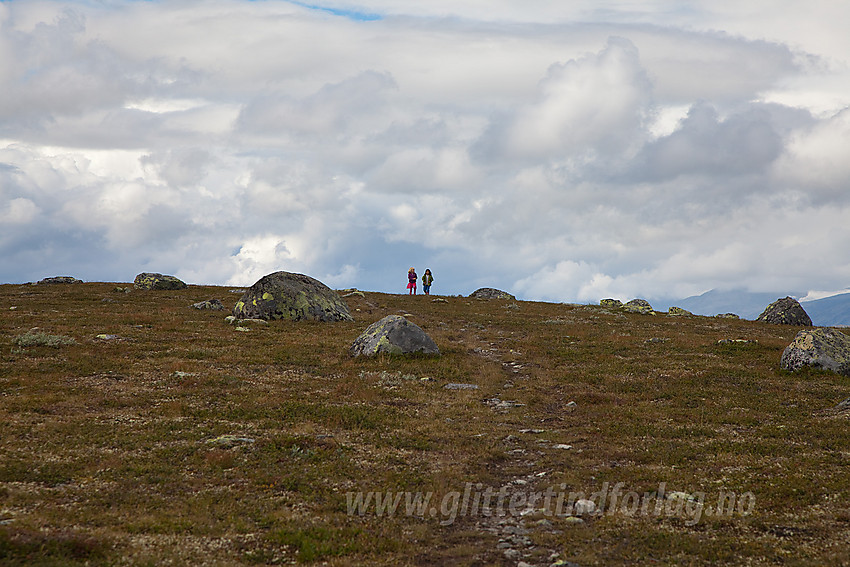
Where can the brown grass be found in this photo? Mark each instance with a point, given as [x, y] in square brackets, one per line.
[183, 440]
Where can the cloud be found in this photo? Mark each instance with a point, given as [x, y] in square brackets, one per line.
[563, 151]
[597, 103]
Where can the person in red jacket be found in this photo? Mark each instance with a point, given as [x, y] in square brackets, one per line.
[411, 281]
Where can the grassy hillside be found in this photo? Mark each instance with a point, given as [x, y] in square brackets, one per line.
[176, 438]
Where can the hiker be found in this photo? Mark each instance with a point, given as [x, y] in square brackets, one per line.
[411, 281]
[427, 280]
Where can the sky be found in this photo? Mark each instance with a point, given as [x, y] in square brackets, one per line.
[560, 151]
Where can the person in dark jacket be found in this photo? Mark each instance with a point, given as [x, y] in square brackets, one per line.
[427, 280]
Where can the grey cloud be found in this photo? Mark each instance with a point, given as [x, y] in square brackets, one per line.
[336, 109]
[520, 152]
[705, 144]
[596, 103]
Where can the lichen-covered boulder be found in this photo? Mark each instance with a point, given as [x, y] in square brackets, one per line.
[612, 303]
[639, 306]
[491, 293]
[60, 280]
[393, 335]
[284, 295]
[785, 311]
[727, 316]
[820, 348]
[147, 280]
[678, 311]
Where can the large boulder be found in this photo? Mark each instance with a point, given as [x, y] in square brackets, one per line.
[639, 306]
[147, 280]
[786, 311]
[491, 293]
[284, 295]
[393, 335]
[60, 280]
[611, 303]
[679, 312]
[820, 347]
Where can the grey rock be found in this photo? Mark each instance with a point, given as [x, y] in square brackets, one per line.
[60, 280]
[638, 306]
[393, 334]
[785, 311]
[284, 295]
[154, 281]
[821, 347]
[456, 386]
[213, 304]
[491, 293]
[727, 316]
[678, 311]
[611, 303]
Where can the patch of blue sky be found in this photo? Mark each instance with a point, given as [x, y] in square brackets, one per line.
[350, 14]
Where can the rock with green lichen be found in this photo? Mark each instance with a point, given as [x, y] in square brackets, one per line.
[639, 306]
[613, 303]
[284, 295]
[678, 311]
[821, 347]
[727, 316]
[393, 335]
[154, 281]
[491, 293]
[786, 311]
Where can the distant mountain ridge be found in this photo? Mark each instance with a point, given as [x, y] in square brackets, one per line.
[826, 312]
[829, 311]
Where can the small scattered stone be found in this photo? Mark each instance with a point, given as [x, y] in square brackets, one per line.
[181, 374]
[228, 441]
[562, 446]
[584, 506]
[243, 329]
[456, 386]
[532, 431]
[104, 337]
[564, 562]
[571, 404]
[736, 342]
[573, 520]
[213, 304]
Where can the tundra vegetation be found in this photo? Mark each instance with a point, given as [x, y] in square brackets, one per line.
[136, 430]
